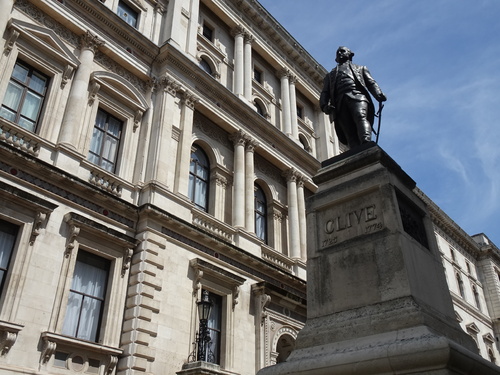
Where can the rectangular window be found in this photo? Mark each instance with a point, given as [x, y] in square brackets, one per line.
[208, 32]
[105, 141]
[300, 112]
[127, 14]
[86, 297]
[257, 75]
[24, 97]
[8, 235]
[214, 327]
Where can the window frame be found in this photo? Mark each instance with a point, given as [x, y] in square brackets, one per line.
[193, 178]
[130, 7]
[26, 89]
[261, 214]
[105, 136]
[225, 284]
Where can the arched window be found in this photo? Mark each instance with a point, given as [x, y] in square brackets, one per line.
[206, 66]
[260, 213]
[259, 108]
[199, 177]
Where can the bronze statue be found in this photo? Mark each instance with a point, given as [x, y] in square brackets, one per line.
[346, 98]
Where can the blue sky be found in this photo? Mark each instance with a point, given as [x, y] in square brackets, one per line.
[438, 62]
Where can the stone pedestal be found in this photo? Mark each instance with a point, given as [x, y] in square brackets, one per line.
[377, 300]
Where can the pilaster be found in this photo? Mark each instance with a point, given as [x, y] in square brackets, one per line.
[293, 214]
[250, 186]
[239, 141]
[285, 102]
[239, 34]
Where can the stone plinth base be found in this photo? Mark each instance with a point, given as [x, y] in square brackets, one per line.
[377, 298]
[416, 350]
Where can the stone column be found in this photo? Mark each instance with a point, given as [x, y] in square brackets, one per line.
[277, 243]
[301, 205]
[181, 182]
[218, 194]
[250, 186]
[192, 37]
[7, 6]
[325, 149]
[238, 77]
[161, 130]
[78, 97]
[293, 214]
[239, 180]
[286, 121]
[293, 109]
[248, 67]
[145, 134]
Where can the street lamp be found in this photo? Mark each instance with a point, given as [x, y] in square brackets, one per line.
[204, 309]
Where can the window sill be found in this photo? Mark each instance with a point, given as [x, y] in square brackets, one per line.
[72, 346]
[8, 335]
[203, 368]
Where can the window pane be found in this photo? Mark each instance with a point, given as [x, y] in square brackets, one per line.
[27, 124]
[20, 72]
[38, 83]
[114, 127]
[9, 115]
[109, 149]
[8, 234]
[31, 106]
[96, 142]
[100, 120]
[215, 326]
[13, 96]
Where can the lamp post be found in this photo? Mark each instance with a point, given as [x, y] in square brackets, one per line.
[204, 308]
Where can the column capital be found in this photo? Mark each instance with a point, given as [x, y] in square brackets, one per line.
[239, 138]
[238, 30]
[189, 99]
[170, 85]
[283, 72]
[291, 175]
[292, 78]
[251, 144]
[90, 41]
[249, 38]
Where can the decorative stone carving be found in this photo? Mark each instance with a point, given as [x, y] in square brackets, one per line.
[40, 220]
[74, 231]
[90, 41]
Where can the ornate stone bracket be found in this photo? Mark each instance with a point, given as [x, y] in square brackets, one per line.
[127, 258]
[74, 231]
[38, 224]
[9, 43]
[68, 72]
[8, 336]
[93, 90]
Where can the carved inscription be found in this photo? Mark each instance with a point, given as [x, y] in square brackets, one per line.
[346, 221]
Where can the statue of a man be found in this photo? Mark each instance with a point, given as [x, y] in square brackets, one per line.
[346, 98]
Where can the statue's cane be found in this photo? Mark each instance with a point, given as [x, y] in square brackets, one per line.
[379, 115]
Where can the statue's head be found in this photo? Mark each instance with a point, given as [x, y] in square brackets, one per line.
[343, 54]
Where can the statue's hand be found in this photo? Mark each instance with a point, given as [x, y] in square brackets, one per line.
[381, 97]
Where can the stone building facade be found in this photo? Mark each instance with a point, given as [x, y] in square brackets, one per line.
[155, 150]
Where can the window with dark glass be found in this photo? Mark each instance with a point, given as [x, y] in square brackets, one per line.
[259, 108]
[24, 97]
[105, 141]
[208, 32]
[87, 296]
[8, 235]
[127, 14]
[206, 66]
[257, 75]
[260, 213]
[199, 173]
[214, 325]
[300, 112]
